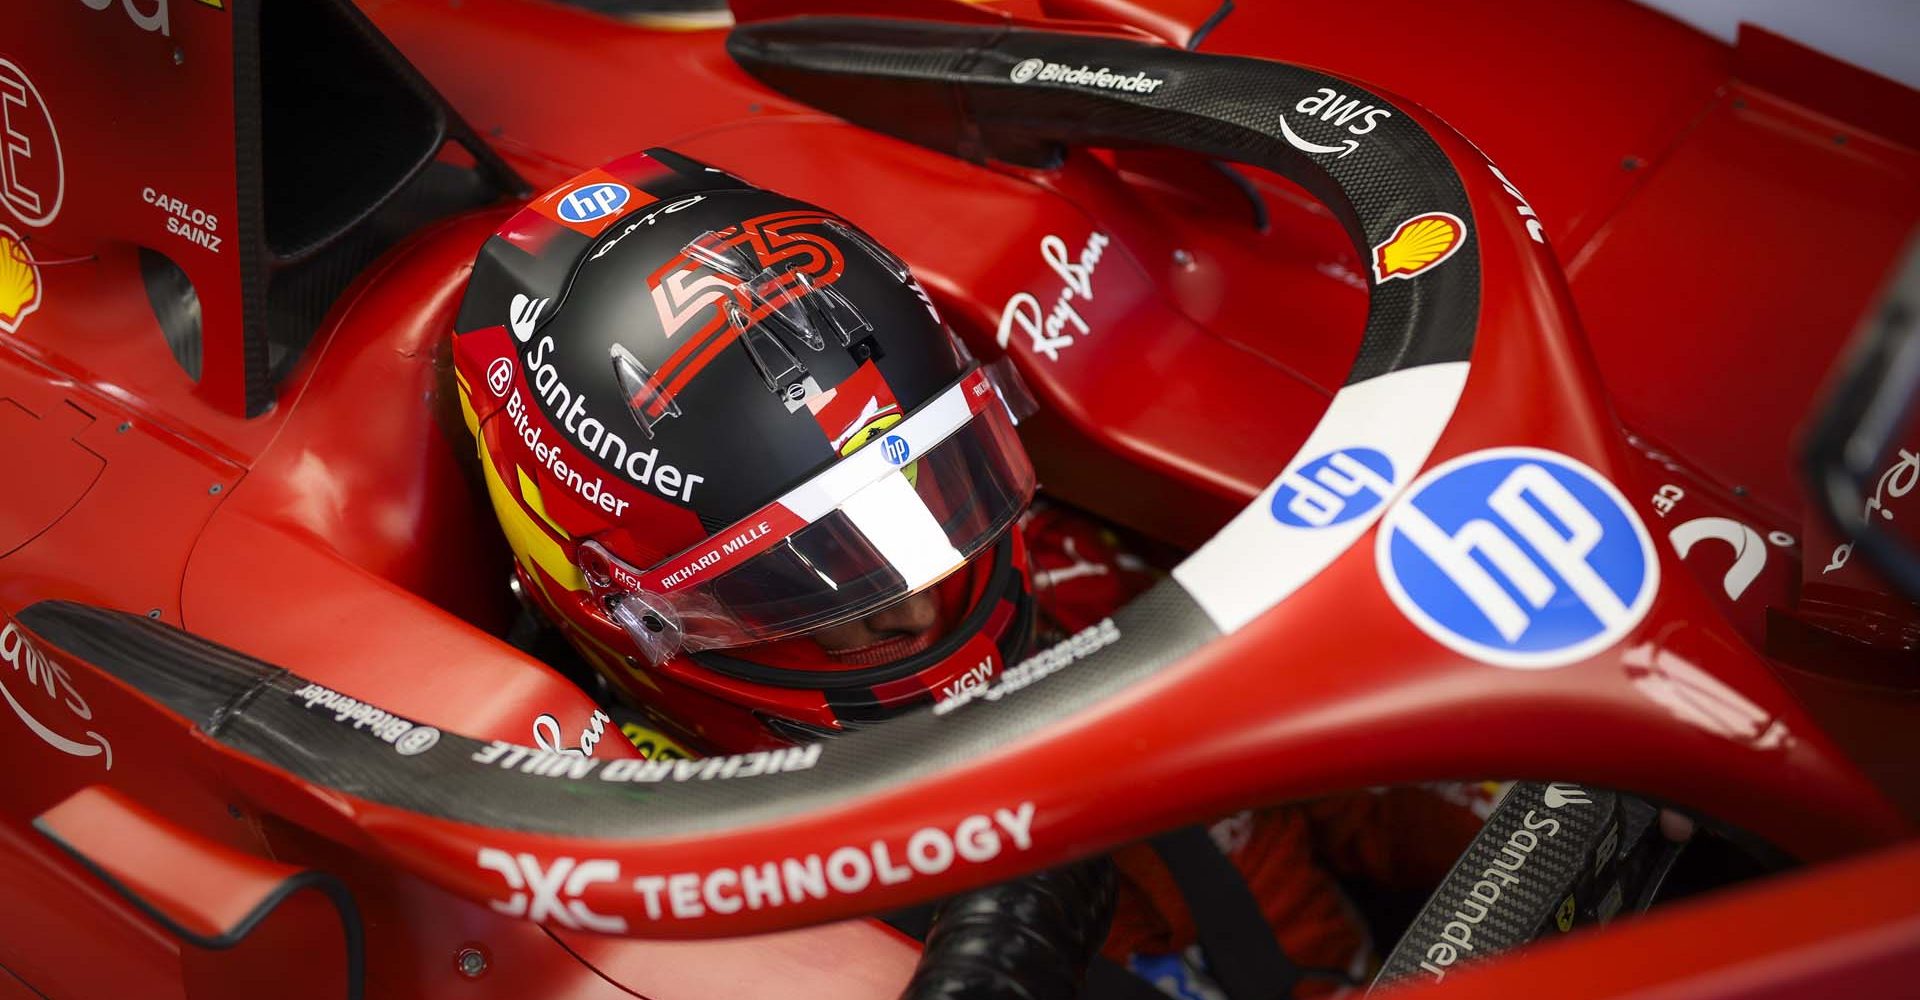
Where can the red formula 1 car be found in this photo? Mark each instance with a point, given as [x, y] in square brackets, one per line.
[1463, 352]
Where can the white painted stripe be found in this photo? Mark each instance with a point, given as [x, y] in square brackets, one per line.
[1255, 562]
[894, 518]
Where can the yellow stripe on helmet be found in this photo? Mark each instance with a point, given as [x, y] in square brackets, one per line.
[531, 544]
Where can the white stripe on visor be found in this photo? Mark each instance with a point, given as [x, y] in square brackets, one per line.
[894, 518]
[908, 508]
[947, 413]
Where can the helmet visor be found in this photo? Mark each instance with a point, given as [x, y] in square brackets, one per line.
[894, 517]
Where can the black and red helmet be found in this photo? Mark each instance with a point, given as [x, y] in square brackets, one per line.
[714, 419]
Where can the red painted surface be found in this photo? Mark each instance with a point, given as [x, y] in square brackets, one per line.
[344, 543]
[208, 889]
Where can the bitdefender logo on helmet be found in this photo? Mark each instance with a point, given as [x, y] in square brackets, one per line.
[1042, 71]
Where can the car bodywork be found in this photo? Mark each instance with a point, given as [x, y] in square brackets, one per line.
[1721, 217]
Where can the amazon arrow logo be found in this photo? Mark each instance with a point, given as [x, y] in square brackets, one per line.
[1313, 147]
[46, 676]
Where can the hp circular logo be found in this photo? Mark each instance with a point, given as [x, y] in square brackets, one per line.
[1027, 69]
[895, 448]
[1338, 486]
[593, 201]
[1518, 557]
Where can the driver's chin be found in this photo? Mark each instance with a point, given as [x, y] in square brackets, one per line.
[899, 629]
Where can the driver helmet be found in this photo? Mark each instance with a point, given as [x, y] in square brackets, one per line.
[738, 458]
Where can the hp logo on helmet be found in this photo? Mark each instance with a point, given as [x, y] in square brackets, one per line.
[895, 448]
[1338, 486]
[593, 201]
[1518, 557]
[1027, 70]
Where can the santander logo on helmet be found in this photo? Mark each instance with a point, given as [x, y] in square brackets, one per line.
[568, 408]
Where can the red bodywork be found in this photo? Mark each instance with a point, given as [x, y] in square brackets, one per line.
[1721, 217]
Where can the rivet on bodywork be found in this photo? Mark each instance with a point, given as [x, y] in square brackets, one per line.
[472, 962]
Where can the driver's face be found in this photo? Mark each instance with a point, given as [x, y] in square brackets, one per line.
[912, 618]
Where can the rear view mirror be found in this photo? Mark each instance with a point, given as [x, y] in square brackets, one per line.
[1862, 453]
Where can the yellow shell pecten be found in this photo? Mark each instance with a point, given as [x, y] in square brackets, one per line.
[19, 282]
[1417, 245]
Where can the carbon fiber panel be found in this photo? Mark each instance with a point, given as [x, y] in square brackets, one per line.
[358, 749]
[1524, 872]
[961, 90]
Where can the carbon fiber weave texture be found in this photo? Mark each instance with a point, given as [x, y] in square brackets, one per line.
[1535, 853]
[956, 88]
[260, 714]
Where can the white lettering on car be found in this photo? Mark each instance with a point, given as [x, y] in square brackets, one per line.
[549, 892]
[196, 226]
[1896, 482]
[1749, 552]
[545, 763]
[1339, 110]
[1535, 231]
[971, 681]
[1456, 937]
[1336, 108]
[49, 679]
[33, 175]
[1042, 71]
[406, 738]
[546, 735]
[1039, 666]
[149, 20]
[1047, 330]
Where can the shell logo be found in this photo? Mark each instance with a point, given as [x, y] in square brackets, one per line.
[1419, 244]
[19, 281]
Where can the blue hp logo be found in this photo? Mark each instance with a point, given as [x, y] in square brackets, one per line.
[585, 204]
[1338, 486]
[895, 448]
[1518, 557]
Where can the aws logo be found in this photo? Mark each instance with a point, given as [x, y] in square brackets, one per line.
[39, 689]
